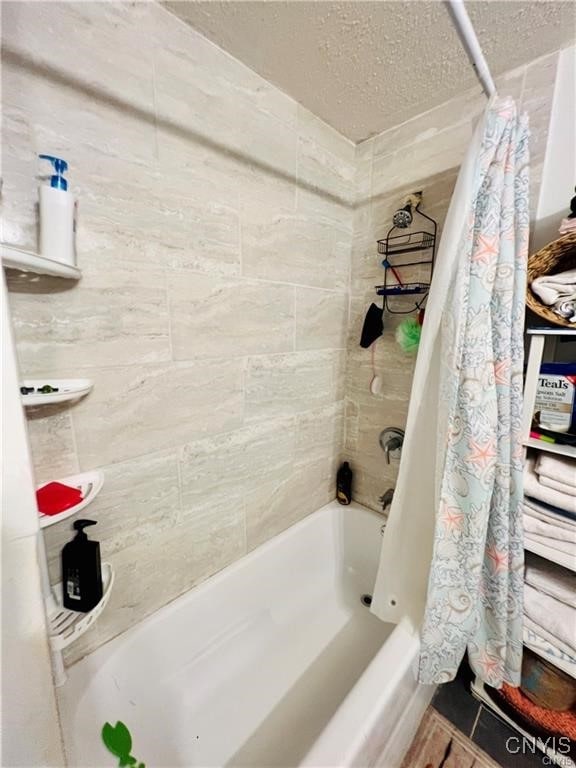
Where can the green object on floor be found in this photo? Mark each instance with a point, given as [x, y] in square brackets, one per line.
[117, 739]
[408, 335]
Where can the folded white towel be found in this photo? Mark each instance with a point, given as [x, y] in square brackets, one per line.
[551, 579]
[556, 468]
[534, 526]
[557, 485]
[556, 617]
[564, 547]
[552, 288]
[536, 510]
[532, 487]
[552, 639]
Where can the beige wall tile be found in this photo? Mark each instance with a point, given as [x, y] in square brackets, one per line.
[299, 248]
[52, 443]
[283, 385]
[135, 410]
[215, 317]
[236, 109]
[229, 465]
[114, 316]
[273, 507]
[444, 151]
[326, 166]
[320, 433]
[321, 319]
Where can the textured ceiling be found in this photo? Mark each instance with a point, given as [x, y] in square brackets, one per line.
[366, 66]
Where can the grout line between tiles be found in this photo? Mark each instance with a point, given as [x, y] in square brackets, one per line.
[74, 443]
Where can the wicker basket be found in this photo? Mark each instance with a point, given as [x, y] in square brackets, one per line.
[557, 256]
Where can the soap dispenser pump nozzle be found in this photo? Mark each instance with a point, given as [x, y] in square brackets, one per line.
[57, 180]
[79, 526]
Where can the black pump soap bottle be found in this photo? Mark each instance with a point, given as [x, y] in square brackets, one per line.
[344, 484]
[81, 571]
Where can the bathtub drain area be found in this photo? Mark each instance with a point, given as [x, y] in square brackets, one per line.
[366, 600]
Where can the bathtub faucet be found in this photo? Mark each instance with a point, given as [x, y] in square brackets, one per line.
[391, 440]
[386, 499]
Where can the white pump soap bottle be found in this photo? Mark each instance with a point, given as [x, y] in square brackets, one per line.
[57, 215]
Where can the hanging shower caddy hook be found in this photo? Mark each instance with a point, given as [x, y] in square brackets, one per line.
[399, 263]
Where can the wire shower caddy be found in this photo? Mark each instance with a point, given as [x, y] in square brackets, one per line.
[397, 250]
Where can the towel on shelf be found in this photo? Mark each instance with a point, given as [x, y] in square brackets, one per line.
[560, 547]
[539, 512]
[550, 579]
[557, 468]
[556, 618]
[557, 485]
[532, 487]
[545, 635]
[555, 514]
[537, 527]
[553, 288]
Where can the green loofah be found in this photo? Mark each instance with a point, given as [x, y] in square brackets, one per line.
[408, 335]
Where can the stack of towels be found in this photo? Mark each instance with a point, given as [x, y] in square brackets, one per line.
[550, 503]
[550, 609]
[550, 589]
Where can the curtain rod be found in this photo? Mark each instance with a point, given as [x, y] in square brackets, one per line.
[469, 40]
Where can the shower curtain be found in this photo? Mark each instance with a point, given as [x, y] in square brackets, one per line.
[452, 555]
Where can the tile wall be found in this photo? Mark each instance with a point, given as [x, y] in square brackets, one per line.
[214, 236]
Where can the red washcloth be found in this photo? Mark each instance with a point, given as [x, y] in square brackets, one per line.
[54, 498]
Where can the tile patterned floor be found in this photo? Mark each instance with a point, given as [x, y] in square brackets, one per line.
[439, 744]
[479, 738]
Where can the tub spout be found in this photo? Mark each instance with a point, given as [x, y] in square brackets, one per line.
[386, 499]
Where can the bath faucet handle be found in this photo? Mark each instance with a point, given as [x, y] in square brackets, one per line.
[392, 445]
[391, 439]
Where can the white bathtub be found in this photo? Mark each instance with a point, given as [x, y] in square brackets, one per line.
[274, 661]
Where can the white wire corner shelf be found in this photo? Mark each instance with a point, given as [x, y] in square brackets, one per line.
[28, 261]
[66, 626]
[89, 483]
[68, 389]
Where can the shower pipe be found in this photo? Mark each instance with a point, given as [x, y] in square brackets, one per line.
[469, 40]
